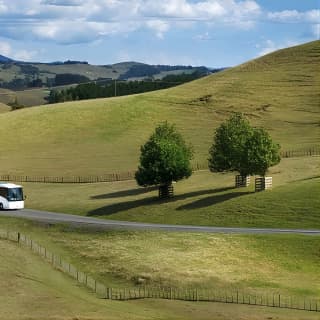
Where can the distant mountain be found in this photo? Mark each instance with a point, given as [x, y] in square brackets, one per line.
[18, 75]
[4, 59]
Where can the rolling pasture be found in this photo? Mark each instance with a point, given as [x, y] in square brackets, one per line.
[4, 108]
[278, 91]
[31, 289]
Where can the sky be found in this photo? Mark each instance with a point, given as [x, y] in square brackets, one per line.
[213, 33]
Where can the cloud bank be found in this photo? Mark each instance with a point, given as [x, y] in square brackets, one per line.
[81, 21]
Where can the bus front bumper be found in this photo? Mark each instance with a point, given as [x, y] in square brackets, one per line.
[13, 205]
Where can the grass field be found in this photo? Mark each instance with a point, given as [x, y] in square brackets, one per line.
[204, 199]
[264, 264]
[105, 135]
[30, 289]
[4, 108]
[6, 96]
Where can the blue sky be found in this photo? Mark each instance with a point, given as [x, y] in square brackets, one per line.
[214, 33]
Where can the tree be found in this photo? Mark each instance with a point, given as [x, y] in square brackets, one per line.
[239, 147]
[262, 153]
[164, 158]
[228, 148]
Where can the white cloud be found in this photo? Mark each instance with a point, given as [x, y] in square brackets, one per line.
[204, 36]
[293, 16]
[72, 21]
[159, 26]
[270, 46]
[7, 50]
[76, 21]
[24, 55]
[316, 30]
[63, 3]
[3, 7]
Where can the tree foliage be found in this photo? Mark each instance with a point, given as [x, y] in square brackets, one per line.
[104, 89]
[164, 158]
[239, 147]
[226, 152]
[261, 153]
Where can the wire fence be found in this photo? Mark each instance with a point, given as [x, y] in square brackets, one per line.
[129, 175]
[300, 153]
[186, 294]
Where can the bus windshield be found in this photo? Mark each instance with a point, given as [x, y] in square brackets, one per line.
[15, 194]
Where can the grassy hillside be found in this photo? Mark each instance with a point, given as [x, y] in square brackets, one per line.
[6, 96]
[279, 91]
[4, 108]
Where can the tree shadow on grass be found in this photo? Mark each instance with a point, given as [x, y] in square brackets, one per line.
[124, 193]
[127, 205]
[212, 200]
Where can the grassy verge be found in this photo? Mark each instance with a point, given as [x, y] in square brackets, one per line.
[31, 289]
[258, 264]
[204, 199]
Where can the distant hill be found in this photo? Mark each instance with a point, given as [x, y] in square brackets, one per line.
[4, 59]
[17, 75]
[24, 77]
[279, 92]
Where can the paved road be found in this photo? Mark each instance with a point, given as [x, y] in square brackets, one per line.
[50, 217]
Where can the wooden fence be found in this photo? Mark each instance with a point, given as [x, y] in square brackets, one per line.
[110, 177]
[300, 153]
[129, 175]
[186, 294]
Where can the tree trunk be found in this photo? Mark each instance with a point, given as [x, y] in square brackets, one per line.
[242, 181]
[166, 191]
[263, 183]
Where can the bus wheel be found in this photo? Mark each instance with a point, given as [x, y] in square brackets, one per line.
[1, 206]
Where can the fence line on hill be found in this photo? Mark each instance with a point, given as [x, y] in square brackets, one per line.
[129, 175]
[186, 294]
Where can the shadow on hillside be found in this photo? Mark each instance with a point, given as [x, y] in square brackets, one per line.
[212, 200]
[124, 193]
[127, 205]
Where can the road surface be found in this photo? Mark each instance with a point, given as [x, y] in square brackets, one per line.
[55, 218]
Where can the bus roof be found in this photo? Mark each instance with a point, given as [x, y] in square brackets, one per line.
[9, 185]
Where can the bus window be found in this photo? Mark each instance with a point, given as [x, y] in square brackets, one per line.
[4, 192]
[15, 194]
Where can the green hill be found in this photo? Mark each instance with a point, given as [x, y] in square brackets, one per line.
[4, 108]
[31, 81]
[279, 91]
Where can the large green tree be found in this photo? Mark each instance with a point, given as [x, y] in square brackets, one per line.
[164, 158]
[239, 147]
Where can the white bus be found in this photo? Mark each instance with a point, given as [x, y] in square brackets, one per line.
[11, 196]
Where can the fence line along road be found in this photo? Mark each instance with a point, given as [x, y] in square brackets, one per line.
[96, 223]
[128, 175]
[169, 293]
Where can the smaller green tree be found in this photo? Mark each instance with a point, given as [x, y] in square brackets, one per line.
[164, 158]
[261, 153]
[239, 147]
[229, 145]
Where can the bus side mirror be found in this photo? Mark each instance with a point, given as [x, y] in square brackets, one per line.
[25, 197]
